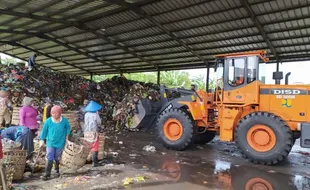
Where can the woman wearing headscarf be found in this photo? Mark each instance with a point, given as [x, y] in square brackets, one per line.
[56, 130]
[28, 115]
[19, 134]
[92, 122]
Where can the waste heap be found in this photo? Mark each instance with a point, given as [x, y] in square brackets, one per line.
[69, 91]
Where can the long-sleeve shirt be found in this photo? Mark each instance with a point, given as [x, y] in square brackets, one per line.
[28, 117]
[92, 121]
[55, 133]
[14, 132]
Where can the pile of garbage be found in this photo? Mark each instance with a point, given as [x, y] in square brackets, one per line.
[9, 144]
[69, 91]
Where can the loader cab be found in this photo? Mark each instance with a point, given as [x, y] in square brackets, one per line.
[238, 76]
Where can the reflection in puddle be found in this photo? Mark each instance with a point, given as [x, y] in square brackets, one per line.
[221, 166]
[223, 175]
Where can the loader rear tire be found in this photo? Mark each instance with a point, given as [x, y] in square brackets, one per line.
[263, 138]
[175, 129]
[204, 138]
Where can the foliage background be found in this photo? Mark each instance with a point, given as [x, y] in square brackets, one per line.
[171, 79]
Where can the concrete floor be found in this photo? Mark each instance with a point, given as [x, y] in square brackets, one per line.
[217, 165]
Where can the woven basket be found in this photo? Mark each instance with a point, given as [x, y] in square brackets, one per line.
[18, 160]
[73, 119]
[8, 171]
[15, 116]
[101, 149]
[75, 154]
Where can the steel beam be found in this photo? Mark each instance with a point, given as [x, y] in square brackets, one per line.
[259, 26]
[26, 60]
[46, 55]
[35, 17]
[43, 36]
[143, 14]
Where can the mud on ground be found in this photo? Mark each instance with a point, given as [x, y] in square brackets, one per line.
[217, 165]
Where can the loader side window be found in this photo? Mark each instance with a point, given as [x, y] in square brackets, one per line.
[252, 69]
[236, 71]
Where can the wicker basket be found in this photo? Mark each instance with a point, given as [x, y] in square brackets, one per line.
[15, 116]
[101, 149]
[75, 154]
[18, 160]
[73, 119]
[8, 171]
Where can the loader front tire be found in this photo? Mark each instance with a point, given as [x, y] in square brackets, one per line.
[175, 129]
[263, 138]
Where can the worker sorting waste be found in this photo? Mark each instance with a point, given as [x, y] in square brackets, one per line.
[92, 122]
[55, 131]
[19, 134]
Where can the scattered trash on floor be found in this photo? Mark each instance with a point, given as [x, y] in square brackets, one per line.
[129, 180]
[18, 186]
[81, 179]
[303, 153]
[149, 148]
[62, 185]
[272, 171]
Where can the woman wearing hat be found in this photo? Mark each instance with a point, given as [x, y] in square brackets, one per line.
[56, 130]
[5, 103]
[92, 121]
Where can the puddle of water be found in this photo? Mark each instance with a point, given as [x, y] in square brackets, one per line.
[219, 175]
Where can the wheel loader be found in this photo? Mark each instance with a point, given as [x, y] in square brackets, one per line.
[263, 120]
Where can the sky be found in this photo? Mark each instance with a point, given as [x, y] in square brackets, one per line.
[299, 71]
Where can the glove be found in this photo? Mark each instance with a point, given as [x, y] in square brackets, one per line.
[41, 143]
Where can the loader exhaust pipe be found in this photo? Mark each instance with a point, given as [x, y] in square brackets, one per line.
[286, 77]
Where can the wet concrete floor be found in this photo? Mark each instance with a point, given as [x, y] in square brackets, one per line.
[217, 165]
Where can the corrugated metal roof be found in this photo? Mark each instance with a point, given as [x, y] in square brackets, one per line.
[112, 36]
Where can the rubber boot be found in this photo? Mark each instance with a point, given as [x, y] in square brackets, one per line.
[95, 159]
[48, 169]
[57, 168]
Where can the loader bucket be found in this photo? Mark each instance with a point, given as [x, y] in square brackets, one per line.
[145, 114]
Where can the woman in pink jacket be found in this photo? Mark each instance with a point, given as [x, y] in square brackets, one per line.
[28, 115]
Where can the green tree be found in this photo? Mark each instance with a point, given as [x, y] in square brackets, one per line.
[174, 79]
[149, 77]
[99, 78]
[199, 81]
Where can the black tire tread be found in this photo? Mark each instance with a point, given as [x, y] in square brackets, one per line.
[204, 138]
[285, 129]
[189, 140]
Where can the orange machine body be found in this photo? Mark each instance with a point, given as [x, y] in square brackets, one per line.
[289, 102]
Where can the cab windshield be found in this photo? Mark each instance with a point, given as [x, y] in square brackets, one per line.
[219, 69]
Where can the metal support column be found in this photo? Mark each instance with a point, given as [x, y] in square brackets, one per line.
[208, 76]
[158, 76]
[91, 77]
